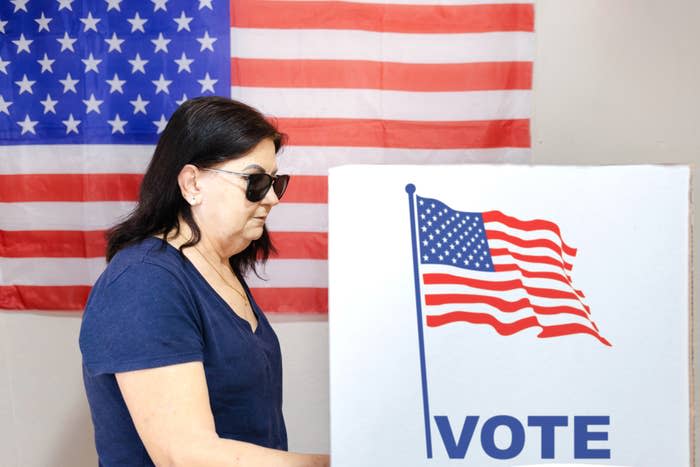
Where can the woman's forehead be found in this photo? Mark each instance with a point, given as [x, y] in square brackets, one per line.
[261, 158]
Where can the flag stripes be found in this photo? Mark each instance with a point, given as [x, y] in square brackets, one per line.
[366, 74]
[92, 244]
[424, 19]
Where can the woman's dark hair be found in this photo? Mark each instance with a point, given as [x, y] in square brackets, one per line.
[204, 131]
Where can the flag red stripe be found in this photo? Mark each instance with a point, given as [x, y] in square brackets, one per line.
[407, 134]
[382, 17]
[123, 187]
[536, 274]
[538, 224]
[69, 187]
[571, 328]
[74, 297]
[365, 74]
[517, 241]
[504, 329]
[33, 297]
[507, 329]
[513, 284]
[503, 305]
[294, 300]
[531, 258]
[92, 244]
[52, 243]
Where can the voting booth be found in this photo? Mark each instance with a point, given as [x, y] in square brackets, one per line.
[509, 316]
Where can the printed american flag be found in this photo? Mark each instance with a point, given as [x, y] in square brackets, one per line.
[85, 87]
[493, 269]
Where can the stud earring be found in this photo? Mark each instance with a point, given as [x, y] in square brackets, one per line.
[193, 199]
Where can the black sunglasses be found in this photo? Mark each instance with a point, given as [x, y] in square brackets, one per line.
[259, 183]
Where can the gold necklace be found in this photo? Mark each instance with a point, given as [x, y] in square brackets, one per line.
[245, 298]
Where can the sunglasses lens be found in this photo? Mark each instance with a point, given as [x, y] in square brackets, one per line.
[258, 185]
[280, 185]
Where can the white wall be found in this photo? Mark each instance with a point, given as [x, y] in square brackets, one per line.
[616, 82]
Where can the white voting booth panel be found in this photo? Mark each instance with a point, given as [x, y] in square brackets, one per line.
[509, 316]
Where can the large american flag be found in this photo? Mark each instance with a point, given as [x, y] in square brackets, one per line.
[497, 270]
[86, 86]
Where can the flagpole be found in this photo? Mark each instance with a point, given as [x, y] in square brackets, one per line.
[411, 189]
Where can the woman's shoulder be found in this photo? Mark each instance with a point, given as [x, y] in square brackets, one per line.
[143, 258]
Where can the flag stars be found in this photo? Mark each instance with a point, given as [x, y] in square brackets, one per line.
[421, 202]
[184, 98]
[67, 42]
[92, 104]
[454, 260]
[138, 64]
[423, 228]
[207, 42]
[139, 105]
[49, 105]
[5, 105]
[2, 26]
[43, 22]
[71, 124]
[69, 83]
[46, 64]
[205, 3]
[161, 44]
[20, 5]
[23, 44]
[116, 84]
[183, 22]
[25, 85]
[159, 5]
[114, 5]
[162, 84]
[441, 257]
[114, 43]
[137, 23]
[28, 125]
[117, 124]
[65, 4]
[160, 124]
[183, 63]
[91, 63]
[90, 23]
[425, 257]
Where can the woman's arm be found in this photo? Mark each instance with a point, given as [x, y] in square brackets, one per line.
[170, 409]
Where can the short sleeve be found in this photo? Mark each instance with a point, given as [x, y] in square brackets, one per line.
[143, 318]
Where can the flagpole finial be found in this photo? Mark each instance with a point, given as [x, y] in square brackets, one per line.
[410, 188]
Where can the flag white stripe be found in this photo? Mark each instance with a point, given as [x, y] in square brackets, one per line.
[527, 265]
[533, 251]
[326, 44]
[503, 317]
[387, 105]
[296, 160]
[81, 271]
[507, 295]
[539, 234]
[504, 276]
[310, 160]
[289, 217]
[74, 159]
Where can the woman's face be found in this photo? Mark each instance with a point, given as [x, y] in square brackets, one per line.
[223, 213]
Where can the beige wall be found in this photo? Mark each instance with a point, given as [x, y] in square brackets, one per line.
[616, 82]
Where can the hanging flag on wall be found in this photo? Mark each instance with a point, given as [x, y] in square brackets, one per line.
[85, 88]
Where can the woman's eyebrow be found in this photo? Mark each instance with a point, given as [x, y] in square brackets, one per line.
[258, 168]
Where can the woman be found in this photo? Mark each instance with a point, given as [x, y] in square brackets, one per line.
[180, 365]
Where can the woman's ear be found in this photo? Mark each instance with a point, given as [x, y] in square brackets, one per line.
[187, 179]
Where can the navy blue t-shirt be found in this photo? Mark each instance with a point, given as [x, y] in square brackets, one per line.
[152, 308]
